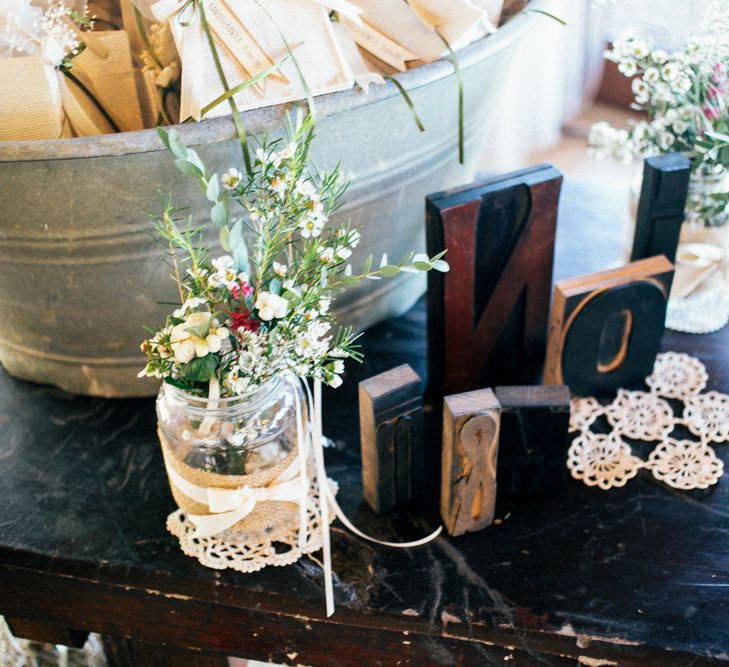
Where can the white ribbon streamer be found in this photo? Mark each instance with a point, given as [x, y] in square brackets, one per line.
[327, 498]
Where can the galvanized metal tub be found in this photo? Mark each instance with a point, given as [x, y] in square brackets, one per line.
[80, 276]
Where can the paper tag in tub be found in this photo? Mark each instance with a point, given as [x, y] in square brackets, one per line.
[397, 32]
[248, 37]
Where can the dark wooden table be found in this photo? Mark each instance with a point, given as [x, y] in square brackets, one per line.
[636, 576]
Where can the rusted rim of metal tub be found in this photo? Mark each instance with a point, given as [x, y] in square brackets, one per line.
[267, 118]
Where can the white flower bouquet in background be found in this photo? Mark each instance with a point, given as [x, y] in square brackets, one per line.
[685, 96]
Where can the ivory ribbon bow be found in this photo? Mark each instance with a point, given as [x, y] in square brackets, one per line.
[229, 506]
[191, 40]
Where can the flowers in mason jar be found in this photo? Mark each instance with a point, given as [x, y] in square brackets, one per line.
[263, 305]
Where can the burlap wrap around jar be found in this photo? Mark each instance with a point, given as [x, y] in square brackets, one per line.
[246, 443]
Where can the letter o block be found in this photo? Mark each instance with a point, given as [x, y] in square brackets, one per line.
[606, 328]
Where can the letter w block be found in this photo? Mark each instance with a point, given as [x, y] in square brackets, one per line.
[487, 317]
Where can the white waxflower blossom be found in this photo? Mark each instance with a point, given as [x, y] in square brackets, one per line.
[310, 228]
[659, 56]
[639, 49]
[288, 152]
[652, 75]
[669, 71]
[627, 68]
[305, 187]
[271, 306]
[665, 140]
[225, 273]
[640, 90]
[271, 158]
[278, 185]
[280, 269]
[231, 179]
[190, 304]
[682, 85]
[686, 113]
[354, 238]
[326, 255]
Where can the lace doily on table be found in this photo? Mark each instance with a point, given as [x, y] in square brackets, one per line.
[606, 460]
[231, 550]
[702, 313]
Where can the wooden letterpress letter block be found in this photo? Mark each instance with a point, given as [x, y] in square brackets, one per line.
[470, 448]
[606, 328]
[392, 437]
[533, 439]
[487, 317]
[661, 207]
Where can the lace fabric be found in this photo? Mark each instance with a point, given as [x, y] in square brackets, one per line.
[606, 460]
[701, 313]
[251, 552]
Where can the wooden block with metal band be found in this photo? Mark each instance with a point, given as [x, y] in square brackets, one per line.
[606, 328]
[392, 437]
[470, 448]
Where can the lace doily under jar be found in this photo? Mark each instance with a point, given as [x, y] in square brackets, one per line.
[682, 456]
[238, 551]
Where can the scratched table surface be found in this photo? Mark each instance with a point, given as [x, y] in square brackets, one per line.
[636, 576]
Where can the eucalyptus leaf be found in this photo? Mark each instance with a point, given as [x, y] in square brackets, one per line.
[275, 286]
[239, 248]
[389, 270]
[200, 369]
[188, 168]
[349, 281]
[422, 266]
[367, 265]
[176, 145]
[225, 238]
[213, 189]
[219, 214]
[441, 265]
[384, 260]
[164, 137]
[194, 158]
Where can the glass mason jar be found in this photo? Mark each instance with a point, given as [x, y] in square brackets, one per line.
[241, 435]
[705, 237]
[701, 187]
